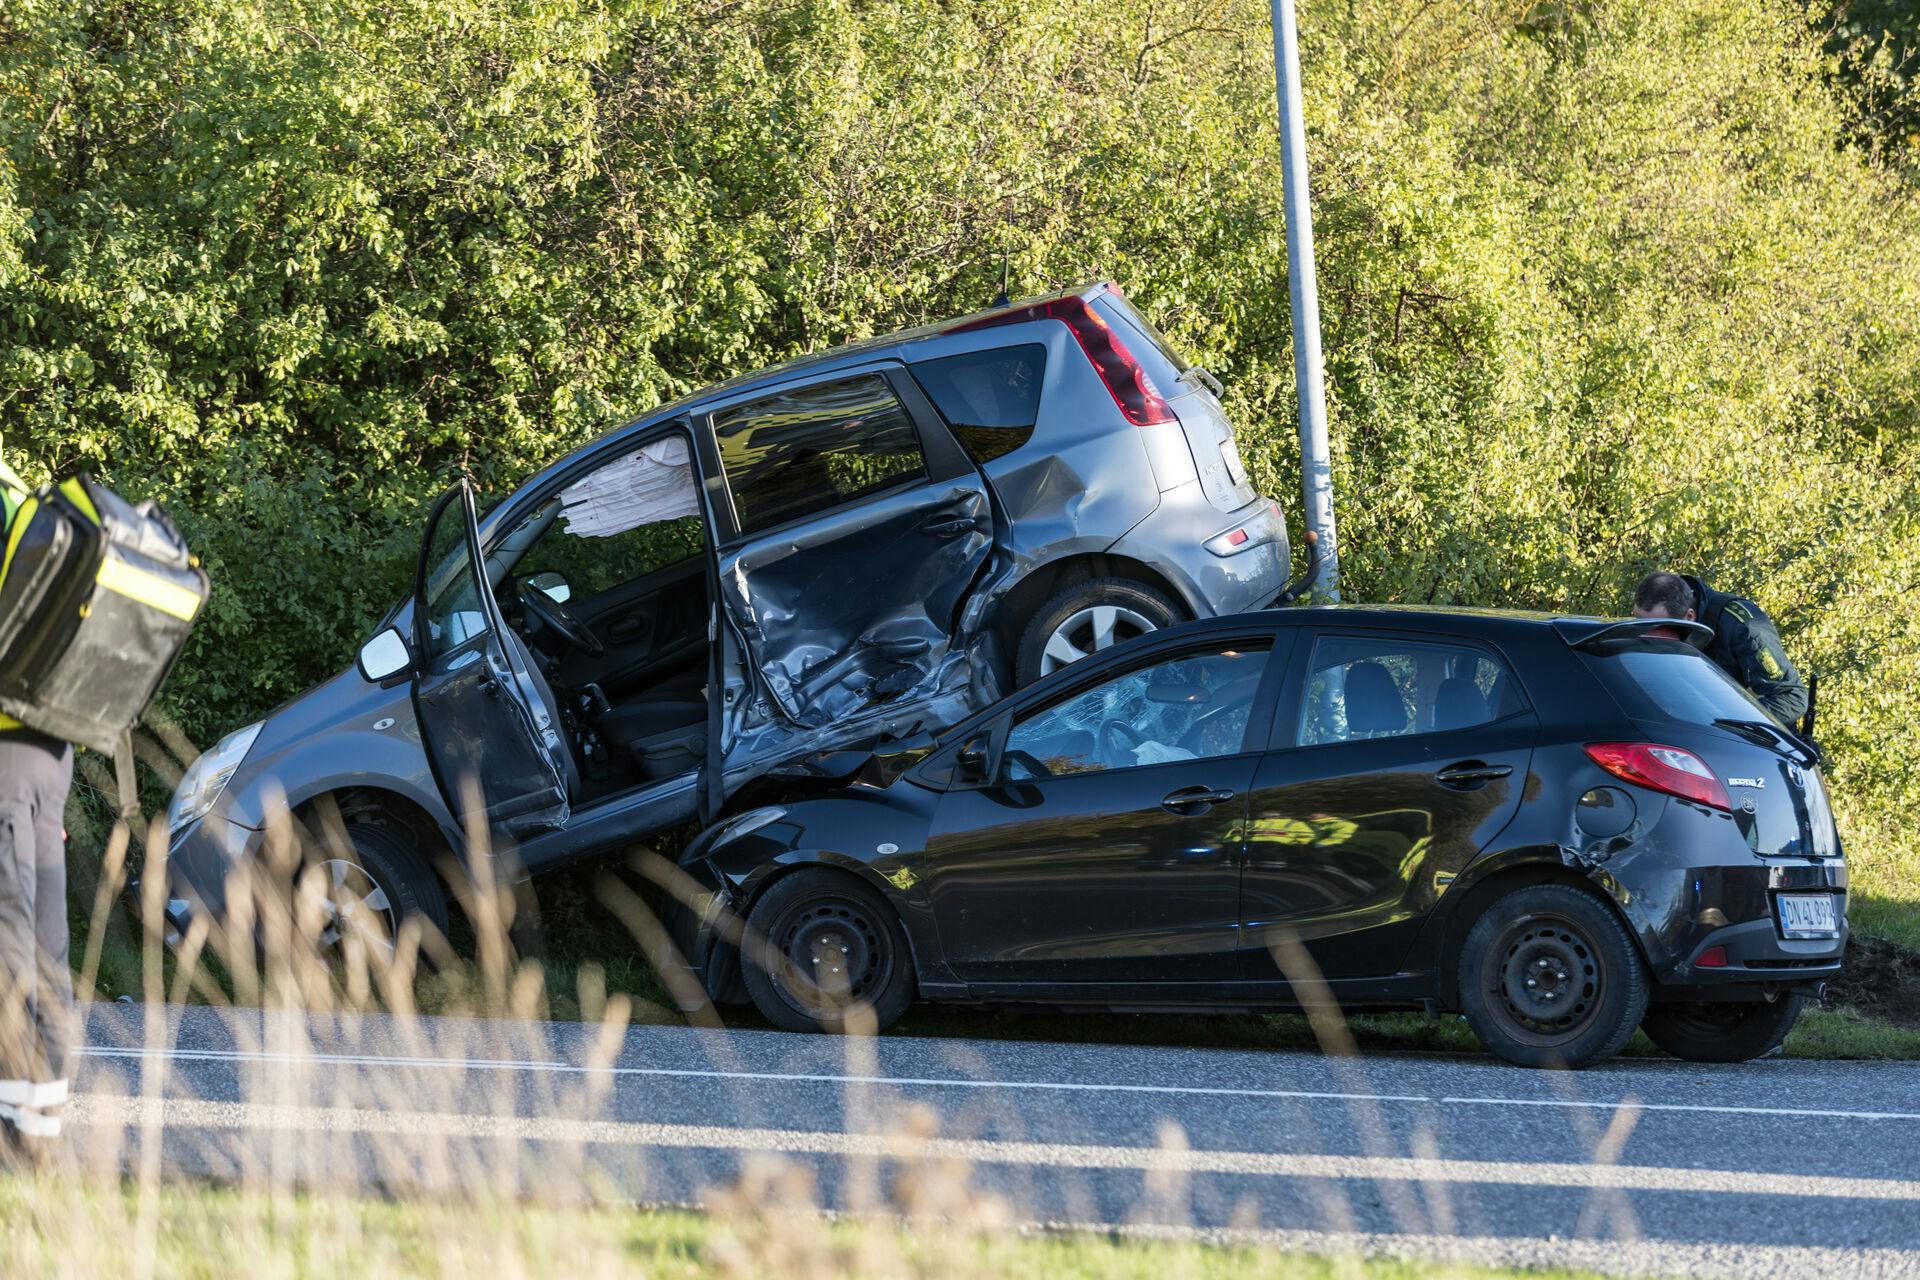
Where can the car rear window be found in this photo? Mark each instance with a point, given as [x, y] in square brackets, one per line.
[990, 398]
[1670, 681]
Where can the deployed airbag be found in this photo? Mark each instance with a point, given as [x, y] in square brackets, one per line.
[654, 484]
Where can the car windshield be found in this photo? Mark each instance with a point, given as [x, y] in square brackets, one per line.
[1670, 681]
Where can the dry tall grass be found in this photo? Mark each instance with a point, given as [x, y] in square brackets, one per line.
[282, 1156]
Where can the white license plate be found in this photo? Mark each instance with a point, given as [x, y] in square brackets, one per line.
[1808, 915]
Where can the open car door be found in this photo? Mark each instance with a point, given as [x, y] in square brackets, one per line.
[486, 717]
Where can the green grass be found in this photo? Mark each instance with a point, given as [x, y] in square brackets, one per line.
[51, 1227]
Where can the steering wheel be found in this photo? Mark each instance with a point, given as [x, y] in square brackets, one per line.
[558, 617]
[1117, 736]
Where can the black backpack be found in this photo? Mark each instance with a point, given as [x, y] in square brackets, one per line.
[97, 598]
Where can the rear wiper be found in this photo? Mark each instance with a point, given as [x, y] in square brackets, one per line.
[1767, 734]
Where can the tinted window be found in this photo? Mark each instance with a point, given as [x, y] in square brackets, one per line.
[1361, 687]
[1193, 707]
[1672, 681]
[813, 448]
[991, 399]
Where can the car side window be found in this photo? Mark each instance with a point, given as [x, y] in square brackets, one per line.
[1192, 707]
[813, 448]
[990, 398]
[630, 517]
[1364, 687]
[451, 605]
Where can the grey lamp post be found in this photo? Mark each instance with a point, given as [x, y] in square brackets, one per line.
[1316, 464]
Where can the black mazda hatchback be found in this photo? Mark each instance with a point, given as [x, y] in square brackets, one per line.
[1564, 828]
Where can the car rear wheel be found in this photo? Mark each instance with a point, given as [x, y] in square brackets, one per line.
[1087, 618]
[825, 953]
[367, 885]
[1723, 1031]
[1550, 978]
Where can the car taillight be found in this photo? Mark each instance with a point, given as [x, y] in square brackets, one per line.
[1126, 381]
[1667, 769]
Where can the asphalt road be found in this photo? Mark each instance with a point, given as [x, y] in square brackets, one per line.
[1780, 1168]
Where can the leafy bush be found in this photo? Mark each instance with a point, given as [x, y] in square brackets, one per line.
[1606, 285]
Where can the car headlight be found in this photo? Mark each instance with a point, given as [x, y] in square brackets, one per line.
[206, 778]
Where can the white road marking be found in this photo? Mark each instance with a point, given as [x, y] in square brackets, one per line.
[954, 1082]
[102, 1110]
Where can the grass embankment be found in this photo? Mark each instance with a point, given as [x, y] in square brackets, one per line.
[57, 1229]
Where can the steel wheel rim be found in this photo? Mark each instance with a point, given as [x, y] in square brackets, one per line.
[838, 953]
[1546, 980]
[1092, 630]
[353, 904]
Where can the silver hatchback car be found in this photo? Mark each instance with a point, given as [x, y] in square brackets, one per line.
[866, 543]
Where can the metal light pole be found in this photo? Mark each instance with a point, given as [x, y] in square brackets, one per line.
[1316, 464]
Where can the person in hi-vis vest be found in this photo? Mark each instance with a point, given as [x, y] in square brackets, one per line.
[36, 986]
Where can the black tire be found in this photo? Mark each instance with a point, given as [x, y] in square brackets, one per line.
[1723, 1032]
[1145, 609]
[799, 923]
[1593, 986]
[398, 880]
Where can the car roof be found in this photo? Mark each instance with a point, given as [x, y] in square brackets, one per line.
[856, 352]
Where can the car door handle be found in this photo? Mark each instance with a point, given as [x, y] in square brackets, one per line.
[951, 527]
[626, 628]
[1469, 774]
[1189, 801]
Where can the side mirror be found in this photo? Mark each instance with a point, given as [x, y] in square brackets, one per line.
[385, 656]
[552, 585]
[971, 764]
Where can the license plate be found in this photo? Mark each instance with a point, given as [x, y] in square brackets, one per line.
[1808, 915]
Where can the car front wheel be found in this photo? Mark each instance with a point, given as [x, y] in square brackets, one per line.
[823, 952]
[1723, 1031]
[1550, 978]
[363, 887]
[1088, 618]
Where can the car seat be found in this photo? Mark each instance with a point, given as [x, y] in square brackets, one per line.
[1374, 704]
[663, 735]
[1458, 703]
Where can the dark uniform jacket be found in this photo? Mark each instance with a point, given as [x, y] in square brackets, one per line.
[1746, 645]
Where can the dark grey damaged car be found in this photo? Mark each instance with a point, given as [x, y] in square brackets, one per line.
[860, 545]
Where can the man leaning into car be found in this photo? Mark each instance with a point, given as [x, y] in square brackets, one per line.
[1745, 644]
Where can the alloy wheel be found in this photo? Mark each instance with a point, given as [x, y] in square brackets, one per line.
[1089, 631]
[353, 904]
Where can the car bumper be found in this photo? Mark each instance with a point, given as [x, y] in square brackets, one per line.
[1722, 928]
[1185, 540]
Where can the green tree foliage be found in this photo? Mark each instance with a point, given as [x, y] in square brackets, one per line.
[1876, 44]
[1607, 285]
